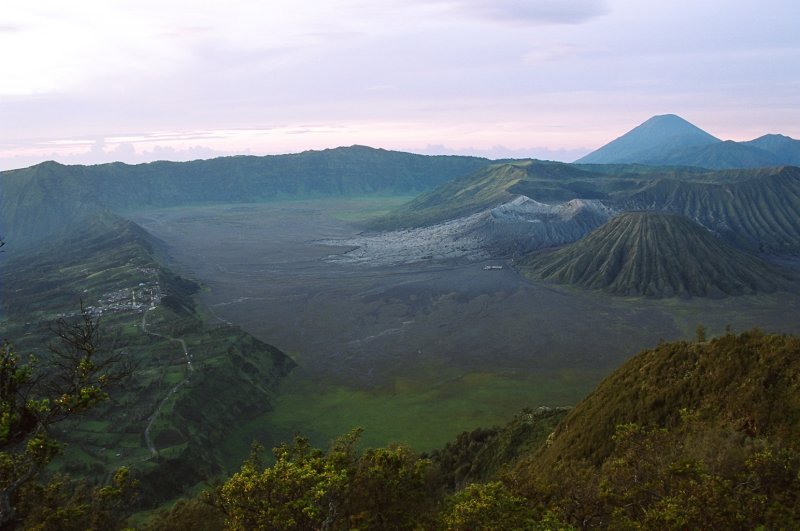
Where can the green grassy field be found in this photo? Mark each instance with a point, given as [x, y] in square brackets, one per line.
[424, 412]
[365, 209]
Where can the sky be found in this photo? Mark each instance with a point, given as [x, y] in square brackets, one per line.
[86, 81]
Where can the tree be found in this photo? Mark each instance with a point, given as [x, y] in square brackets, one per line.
[390, 488]
[63, 504]
[306, 488]
[33, 399]
[194, 514]
[302, 490]
[493, 506]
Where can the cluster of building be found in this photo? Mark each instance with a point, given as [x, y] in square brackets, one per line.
[146, 295]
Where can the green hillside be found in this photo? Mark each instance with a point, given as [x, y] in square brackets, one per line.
[686, 435]
[192, 382]
[749, 383]
[50, 199]
[655, 255]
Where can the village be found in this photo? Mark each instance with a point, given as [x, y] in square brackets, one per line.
[147, 295]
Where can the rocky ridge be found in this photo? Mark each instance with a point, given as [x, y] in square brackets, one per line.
[517, 227]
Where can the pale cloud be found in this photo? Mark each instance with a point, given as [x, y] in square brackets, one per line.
[503, 152]
[97, 45]
[274, 76]
[530, 12]
[65, 47]
[99, 152]
[551, 52]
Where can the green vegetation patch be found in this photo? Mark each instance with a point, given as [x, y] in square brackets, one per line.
[424, 417]
[363, 209]
[688, 435]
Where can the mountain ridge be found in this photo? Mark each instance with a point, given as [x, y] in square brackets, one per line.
[115, 269]
[669, 140]
[647, 140]
[45, 200]
[492, 186]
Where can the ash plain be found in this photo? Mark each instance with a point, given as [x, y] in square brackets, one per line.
[413, 352]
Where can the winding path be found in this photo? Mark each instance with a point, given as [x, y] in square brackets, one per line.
[174, 388]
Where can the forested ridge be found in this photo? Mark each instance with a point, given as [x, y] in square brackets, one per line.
[692, 434]
[689, 434]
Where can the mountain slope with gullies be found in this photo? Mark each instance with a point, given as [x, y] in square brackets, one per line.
[497, 184]
[621, 187]
[517, 227]
[506, 209]
[524, 225]
[655, 255]
[755, 210]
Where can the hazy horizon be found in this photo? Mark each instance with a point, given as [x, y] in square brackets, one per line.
[135, 82]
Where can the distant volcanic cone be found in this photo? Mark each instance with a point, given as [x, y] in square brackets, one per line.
[655, 255]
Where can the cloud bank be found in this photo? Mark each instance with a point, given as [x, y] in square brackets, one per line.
[289, 75]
